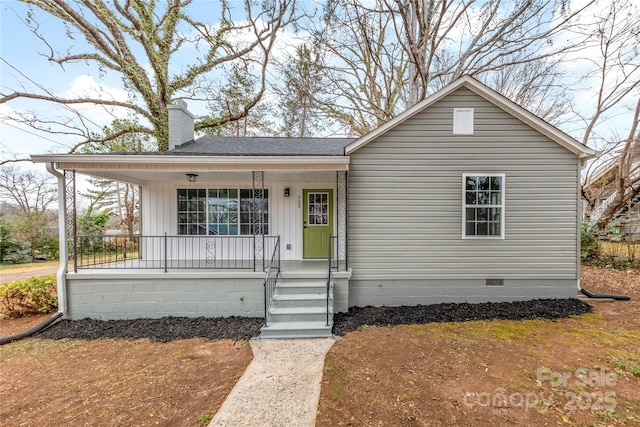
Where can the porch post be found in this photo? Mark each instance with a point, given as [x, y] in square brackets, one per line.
[70, 214]
[341, 188]
[258, 218]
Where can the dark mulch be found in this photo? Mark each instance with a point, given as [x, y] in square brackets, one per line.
[164, 330]
[461, 312]
[243, 328]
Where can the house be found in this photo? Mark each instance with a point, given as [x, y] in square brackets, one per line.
[465, 197]
[625, 221]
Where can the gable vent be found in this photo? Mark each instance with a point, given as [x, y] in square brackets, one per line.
[463, 121]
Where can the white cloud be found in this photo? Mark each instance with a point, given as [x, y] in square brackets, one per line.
[18, 140]
[85, 86]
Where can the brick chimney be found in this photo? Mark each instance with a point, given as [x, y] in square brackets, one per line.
[180, 124]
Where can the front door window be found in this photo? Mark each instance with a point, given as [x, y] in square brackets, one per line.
[318, 209]
[318, 223]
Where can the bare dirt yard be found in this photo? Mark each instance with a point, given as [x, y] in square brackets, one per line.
[579, 371]
[117, 382]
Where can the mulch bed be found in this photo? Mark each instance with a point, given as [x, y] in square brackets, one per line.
[241, 328]
[165, 329]
[461, 312]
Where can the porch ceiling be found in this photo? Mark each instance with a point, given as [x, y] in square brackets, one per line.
[141, 178]
[139, 169]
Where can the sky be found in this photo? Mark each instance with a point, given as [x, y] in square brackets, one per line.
[23, 61]
[21, 50]
[17, 46]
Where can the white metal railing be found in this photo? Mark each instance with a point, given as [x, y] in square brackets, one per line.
[598, 211]
[271, 279]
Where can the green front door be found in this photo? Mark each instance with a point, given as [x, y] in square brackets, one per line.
[317, 222]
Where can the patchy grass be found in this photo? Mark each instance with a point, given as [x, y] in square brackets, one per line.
[30, 265]
[578, 371]
[620, 249]
[551, 372]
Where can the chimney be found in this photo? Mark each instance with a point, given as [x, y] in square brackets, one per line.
[180, 124]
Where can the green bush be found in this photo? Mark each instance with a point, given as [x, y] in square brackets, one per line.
[30, 296]
[613, 262]
[49, 247]
[12, 251]
[17, 254]
[589, 245]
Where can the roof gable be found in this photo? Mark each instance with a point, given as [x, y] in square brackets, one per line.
[490, 95]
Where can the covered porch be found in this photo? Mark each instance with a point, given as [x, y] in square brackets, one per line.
[216, 233]
[211, 212]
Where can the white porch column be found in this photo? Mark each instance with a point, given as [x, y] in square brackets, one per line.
[342, 225]
[61, 275]
[71, 216]
[258, 219]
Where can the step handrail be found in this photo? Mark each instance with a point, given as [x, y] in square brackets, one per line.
[271, 279]
[329, 268]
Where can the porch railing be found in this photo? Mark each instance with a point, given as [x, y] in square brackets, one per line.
[330, 266]
[173, 252]
[271, 279]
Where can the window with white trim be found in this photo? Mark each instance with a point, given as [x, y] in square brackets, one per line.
[483, 206]
[220, 211]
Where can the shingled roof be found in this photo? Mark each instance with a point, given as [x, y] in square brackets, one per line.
[262, 146]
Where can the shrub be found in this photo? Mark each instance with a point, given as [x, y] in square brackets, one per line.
[17, 254]
[12, 251]
[613, 262]
[30, 296]
[589, 245]
[49, 247]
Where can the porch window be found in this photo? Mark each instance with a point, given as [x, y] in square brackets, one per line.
[220, 211]
[483, 206]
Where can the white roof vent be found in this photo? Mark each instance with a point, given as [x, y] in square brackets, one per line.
[463, 121]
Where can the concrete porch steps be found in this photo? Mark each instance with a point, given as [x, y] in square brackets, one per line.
[299, 309]
[296, 330]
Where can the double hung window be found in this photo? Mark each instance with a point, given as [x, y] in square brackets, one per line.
[483, 206]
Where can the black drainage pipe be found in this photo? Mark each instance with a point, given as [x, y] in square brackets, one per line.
[32, 331]
[611, 296]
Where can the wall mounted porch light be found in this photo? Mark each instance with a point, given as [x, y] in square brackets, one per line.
[287, 191]
[192, 177]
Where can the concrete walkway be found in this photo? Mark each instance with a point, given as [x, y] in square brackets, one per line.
[281, 386]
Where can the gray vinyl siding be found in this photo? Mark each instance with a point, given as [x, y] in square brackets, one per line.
[405, 200]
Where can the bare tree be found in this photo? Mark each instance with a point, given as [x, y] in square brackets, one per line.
[621, 180]
[26, 197]
[126, 37]
[534, 85]
[392, 54]
[119, 199]
[26, 191]
[302, 75]
[616, 69]
[240, 89]
[365, 66]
